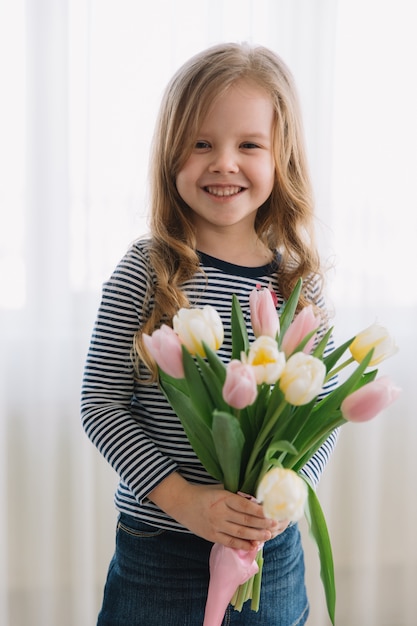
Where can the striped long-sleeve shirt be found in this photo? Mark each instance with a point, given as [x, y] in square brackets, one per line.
[131, 423]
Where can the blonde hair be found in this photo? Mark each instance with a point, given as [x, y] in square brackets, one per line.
[284, 222]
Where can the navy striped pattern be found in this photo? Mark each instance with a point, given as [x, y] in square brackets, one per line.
[132, 424]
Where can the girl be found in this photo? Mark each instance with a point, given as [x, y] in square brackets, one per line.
[231, 208]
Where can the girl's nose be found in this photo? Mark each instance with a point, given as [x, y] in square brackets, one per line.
[224, 162]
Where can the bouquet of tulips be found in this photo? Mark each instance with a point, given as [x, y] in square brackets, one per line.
[255, 422]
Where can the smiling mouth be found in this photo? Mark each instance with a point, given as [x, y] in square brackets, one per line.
[222, 192]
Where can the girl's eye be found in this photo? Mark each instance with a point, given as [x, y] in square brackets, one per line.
[201, 145]
[248, 145]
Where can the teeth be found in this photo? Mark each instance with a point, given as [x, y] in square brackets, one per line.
[223, 191]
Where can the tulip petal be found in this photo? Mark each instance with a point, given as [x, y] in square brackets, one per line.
[265, 358]
[367, 402]
[196, 327]
[164, 346]
[229, 442]
[240, 388]
[302, 378]
[264, 317]
[283, 494]
[374, 337]
[289, 308]
[304, 323]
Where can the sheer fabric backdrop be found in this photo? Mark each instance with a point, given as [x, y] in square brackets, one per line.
[82, 80]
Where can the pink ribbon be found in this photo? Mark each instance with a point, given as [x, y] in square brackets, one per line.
[229, 568]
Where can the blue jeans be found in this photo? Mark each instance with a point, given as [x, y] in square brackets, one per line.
[160, 578]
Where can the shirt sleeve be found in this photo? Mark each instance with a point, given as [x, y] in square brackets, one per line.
[108, 382]
[314, 468]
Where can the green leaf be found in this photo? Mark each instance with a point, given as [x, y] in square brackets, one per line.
[292, 420]
[275, 453]
[282, 445]
[315, 442]
[229, 441]
[195, 427]
[318, 531]
[331, 359]
[197, 390]
[213, 386]
[252, 416]
[333, 401]
[240, 341]
[253, 477]
[288, 311]
[216, 364]
[179, 383]
[325, 416]
[275, 400]
[366, 378]
[321, 346]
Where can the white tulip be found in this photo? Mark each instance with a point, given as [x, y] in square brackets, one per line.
[302, 378]
[195, 326]
[283, 494]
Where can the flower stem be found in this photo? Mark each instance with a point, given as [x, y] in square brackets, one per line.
[315, 440]
[262, 437]
[257, 580]
[338, 369]
[240, 597]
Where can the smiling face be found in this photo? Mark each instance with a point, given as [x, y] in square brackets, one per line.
[230, 172]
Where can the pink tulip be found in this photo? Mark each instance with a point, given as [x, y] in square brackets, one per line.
[367, 401]
[264, 317]
[229, 568]
[239, 389]
[165, 348]
[304, 323]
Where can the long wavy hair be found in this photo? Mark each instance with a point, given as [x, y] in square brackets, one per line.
[283, 223]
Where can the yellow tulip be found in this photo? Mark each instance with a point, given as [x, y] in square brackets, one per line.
[266, 360]
[374, 337]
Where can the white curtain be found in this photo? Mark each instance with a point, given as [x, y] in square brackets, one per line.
[81, 81]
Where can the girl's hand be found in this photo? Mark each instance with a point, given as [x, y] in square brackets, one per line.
[215, 514]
